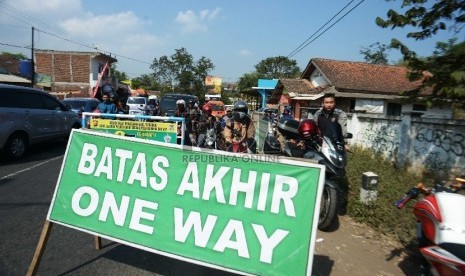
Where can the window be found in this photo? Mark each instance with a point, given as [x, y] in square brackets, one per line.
[31, 100]
[9, 98]
[393, 109]
[419, 107]
[50, 103]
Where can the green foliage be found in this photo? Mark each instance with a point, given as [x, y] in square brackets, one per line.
[247, 81]
[376, 55]
[277, 67]
[393, 183]
[180, 73]
[446, 70]
[115, 73]
[427, 18]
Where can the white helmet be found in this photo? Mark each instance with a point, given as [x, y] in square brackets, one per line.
[152, 97]
[181, 101]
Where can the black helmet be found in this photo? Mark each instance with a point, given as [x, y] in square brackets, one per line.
[191, 102]
[241, 106]
[240, 110]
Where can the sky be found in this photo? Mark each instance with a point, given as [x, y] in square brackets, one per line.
[234, 35]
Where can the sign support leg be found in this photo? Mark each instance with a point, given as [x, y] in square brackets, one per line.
[98, 242]
[40, 248]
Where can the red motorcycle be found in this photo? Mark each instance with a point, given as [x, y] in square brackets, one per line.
[440, 227]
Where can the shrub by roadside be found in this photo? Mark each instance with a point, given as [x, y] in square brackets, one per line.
[393, 183]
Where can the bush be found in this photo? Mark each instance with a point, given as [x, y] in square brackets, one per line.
[393, 183]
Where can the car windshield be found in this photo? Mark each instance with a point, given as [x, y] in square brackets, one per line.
[217, 107]
[136, 101]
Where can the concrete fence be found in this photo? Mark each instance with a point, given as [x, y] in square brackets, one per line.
[421, 144]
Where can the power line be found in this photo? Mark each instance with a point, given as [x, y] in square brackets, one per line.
[46, 26]
[305, 43]
[327, 22]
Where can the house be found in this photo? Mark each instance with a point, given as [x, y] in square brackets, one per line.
[370, 88]
[69, 73]
[299, 94]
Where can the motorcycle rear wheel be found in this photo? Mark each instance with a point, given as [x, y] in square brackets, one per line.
[328, 208]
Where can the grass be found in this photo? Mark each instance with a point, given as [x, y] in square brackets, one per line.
[393, 183]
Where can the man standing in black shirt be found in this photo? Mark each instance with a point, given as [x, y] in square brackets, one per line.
[331, 121]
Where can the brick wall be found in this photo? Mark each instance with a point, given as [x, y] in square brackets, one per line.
[64, 67]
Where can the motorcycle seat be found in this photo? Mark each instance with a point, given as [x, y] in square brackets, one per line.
[289, 128]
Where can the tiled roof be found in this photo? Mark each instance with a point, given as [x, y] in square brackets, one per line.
[361, 76]
[298, 86]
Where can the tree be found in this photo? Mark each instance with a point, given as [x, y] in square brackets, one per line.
[277, 67]
[446, 64]
[269, 68]
[146, 81]
[181, 73]
[115, 73]
[375, 56]
[247, 81]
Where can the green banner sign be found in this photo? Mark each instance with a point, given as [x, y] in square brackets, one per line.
[244, 213]
[157, 131]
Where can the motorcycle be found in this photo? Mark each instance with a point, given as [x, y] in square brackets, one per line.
[303, 140]
[440, 227]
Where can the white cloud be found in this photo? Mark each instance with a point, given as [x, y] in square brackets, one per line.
[191, 22]
[245, 52]
[52, 6]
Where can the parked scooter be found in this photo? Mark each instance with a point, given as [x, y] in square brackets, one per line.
[440, 227]
[303, 140]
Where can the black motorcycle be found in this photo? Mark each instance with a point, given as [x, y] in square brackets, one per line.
[302, 140]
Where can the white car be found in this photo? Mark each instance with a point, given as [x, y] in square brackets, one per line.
[29, 116]
[137, 105]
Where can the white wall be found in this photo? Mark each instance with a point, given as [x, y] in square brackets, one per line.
[421, 143]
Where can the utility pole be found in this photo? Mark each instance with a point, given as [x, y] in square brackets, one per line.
[32, 60]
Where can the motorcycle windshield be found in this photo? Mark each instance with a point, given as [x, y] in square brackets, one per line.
[332, 130]
[334, 152]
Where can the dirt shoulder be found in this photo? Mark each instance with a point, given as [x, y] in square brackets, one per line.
[356, 249]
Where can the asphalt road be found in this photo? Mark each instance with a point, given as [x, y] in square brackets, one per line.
[26, 189]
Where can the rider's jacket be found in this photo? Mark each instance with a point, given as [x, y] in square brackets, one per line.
[331, 123]
[236, 131]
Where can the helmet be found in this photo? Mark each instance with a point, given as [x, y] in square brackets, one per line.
[207, 109]
[181, 102]
[191, 102]
[240, 106]
[240, 110]
[308, 128]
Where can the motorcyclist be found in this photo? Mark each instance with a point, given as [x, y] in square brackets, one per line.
[192, 121]
[331, 121]
[181, 110]
[240, 128]
[207, 121]
[152, 107]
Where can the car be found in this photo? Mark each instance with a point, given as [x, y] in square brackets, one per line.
[29, 116]
[79, 105]
[137, 105]
[168, 102]
[218, 108]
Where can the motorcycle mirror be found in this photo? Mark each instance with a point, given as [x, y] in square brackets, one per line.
[348, 135]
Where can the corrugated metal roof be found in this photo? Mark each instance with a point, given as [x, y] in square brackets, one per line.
[13, 79]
